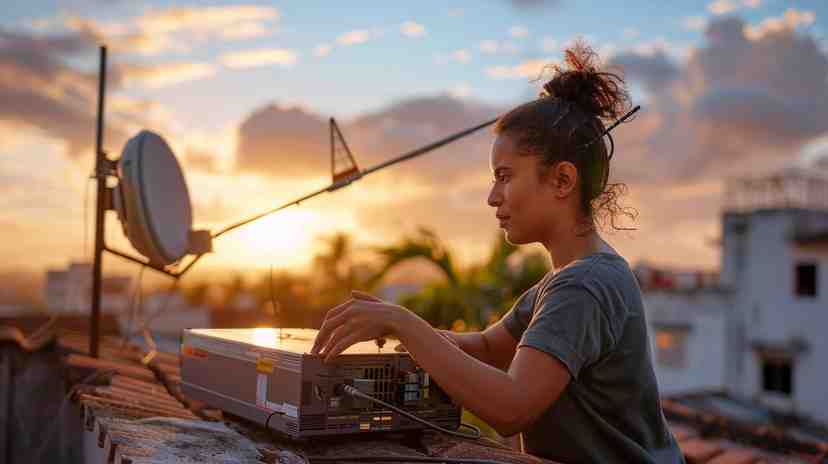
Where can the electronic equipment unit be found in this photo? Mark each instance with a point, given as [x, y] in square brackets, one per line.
[268, 376]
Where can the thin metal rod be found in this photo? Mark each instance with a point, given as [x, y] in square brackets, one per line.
[338, 185]
[142, 262]
[101, 175]
[429, 147]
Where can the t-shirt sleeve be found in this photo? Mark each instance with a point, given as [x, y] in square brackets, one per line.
[569, 325]
[517, 319]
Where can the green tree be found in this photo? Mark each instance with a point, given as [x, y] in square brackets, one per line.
[475, 295]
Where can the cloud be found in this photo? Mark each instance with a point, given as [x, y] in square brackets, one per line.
[789, 21]
[461, 56]
[355, 37]
[213, 20]
[283, 142]
[176, 29]
[631, 33]
[39, 90]
[279, 142]
[489, 46]
[732, 108]
[519, 32]
[260, 57]
[549, 45]
[720, 7]
[322, 50]
[163, 75]
[694, 23]
[492, 47]
[412, 29]
[654, 70]
[533, 4]
[525, 70]
[461, 91]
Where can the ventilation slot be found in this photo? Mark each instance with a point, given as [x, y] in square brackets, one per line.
[384, 384]
[291, 428]
[313, 422]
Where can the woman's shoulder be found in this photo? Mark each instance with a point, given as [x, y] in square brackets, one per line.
[597, 267]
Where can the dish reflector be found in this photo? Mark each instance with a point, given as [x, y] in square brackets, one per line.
[154, 207]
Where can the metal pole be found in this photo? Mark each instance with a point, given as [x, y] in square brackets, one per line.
[101, 175]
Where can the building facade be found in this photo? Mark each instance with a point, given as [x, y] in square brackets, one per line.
[70, 290]
[758, 332]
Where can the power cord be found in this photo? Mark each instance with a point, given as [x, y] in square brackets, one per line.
[350, 390]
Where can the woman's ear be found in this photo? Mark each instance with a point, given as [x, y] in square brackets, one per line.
[564, 178]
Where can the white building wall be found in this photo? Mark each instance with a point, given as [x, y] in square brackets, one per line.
[703, 312]
[769, 309]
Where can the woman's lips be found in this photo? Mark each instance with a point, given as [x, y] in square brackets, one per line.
[503, 221]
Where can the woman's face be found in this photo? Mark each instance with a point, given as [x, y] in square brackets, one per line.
[526, 204]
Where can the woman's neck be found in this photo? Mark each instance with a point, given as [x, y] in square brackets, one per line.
[569, 248]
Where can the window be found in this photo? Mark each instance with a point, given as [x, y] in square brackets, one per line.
[777, 376]
[806, 279]
[671, 348]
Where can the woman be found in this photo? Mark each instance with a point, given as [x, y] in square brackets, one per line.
[569, 365]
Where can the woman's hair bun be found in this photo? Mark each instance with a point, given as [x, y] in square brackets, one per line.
[599, 93]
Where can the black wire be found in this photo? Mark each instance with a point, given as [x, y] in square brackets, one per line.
[267, 421]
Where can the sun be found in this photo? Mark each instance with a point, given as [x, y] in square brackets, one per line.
[283, 239]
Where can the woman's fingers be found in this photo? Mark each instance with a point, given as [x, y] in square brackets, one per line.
[341, 343]
[335, 335]
[328, 326]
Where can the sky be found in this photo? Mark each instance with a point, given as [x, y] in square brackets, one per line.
[242, 91]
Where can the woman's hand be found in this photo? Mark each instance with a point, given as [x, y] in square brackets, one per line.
[364, 317]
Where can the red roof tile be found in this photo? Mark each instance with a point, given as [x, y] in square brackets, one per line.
[737, 456]
[699, 451]
[134, 391]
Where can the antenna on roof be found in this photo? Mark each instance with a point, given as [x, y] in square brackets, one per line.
[344, 168]
[153, 202]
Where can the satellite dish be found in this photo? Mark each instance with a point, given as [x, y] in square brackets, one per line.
[152, 200]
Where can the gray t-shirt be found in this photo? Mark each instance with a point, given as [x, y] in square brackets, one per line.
[590, 316]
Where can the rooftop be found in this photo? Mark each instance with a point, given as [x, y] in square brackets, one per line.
[132, 411]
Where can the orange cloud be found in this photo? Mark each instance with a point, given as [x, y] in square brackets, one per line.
[154, 76]
[260, 57]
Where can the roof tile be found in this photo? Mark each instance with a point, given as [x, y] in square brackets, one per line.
[737, 456]
[699, 451]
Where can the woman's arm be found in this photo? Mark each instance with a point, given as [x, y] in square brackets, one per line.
[494, 346]
[508, 401]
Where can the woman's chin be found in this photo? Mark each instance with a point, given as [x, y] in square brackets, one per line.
[512, 238]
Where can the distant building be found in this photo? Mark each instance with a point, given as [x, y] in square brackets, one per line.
[70, 290]
[759, 331]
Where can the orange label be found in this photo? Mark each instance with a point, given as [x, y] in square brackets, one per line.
[193, 352]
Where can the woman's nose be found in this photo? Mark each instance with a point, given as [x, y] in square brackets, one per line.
[495, 197]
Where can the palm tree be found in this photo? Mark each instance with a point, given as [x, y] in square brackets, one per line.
[472, 295]
[335, 271]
